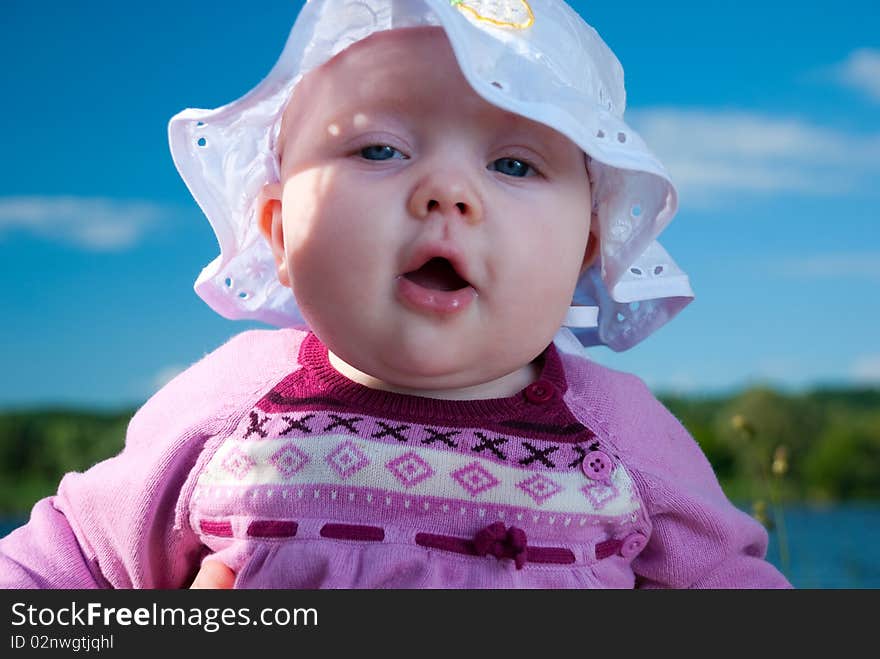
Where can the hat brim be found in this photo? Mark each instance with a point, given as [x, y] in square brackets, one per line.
[226, 155]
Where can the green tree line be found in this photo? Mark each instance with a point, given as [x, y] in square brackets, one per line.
[819, 445]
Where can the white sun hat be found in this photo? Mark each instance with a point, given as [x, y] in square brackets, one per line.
[536, 58]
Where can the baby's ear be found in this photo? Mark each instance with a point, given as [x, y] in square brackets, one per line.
[269, 218]
[591, 253]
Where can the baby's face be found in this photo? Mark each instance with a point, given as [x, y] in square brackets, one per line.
[432, 240]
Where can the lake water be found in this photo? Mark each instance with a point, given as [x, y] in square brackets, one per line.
[829, 547]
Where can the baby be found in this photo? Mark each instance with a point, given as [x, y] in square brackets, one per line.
[435, 189]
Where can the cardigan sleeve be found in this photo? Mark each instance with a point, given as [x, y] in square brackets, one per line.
[699, 539]
[112, 526]
[124, 522]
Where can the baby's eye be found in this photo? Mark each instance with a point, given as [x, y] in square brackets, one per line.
[512, 167]
[379, 152]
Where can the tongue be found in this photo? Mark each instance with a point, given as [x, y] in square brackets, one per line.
[437, 274]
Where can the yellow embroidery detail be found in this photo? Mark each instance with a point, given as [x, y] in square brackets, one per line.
[516, 14]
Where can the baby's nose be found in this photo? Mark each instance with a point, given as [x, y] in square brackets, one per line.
[449, 194]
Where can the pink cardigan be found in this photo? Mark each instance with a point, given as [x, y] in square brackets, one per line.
[298, 478]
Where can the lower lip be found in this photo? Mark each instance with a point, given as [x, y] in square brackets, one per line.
[429, 300]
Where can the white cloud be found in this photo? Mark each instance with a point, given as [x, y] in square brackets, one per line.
[93, 223]
[715, 157]
[676, 383]
[717, 374]
[166, 375]
[865, 265]
[866, 369]
[786, 371]
[146, 384]
[861, 71]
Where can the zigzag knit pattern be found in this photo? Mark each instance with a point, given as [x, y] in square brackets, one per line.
[265, 458]
[357, 461]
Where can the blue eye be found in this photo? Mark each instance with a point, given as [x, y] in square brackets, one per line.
[379, 152]
[512, 167]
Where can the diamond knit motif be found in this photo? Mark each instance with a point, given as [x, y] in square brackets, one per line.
[410, 469]
[600, 493]
[539, 487]
[288, 460]
[238, 463]
[347, 459]
[475, 479]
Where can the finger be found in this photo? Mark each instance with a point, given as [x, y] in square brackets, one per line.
[213, 575]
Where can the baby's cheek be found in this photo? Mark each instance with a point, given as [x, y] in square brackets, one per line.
[326, 274]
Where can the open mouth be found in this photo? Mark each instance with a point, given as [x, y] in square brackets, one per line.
[437, 274]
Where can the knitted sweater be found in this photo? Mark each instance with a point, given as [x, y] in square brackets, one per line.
[296, 477]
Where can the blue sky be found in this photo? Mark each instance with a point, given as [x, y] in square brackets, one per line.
[767, 115]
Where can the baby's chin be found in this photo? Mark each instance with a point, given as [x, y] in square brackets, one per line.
[443, 375]
[456, 360]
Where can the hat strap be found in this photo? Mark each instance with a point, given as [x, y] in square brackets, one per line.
[582, 317]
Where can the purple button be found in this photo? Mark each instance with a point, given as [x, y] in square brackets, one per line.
[633, 544]
[540, 391]
[597, 465]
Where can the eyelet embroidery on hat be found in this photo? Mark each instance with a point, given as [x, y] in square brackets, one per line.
[656, 271]
[212, 168]
[516, 14]
[606, 103]
[620, 230]
[242, 295]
